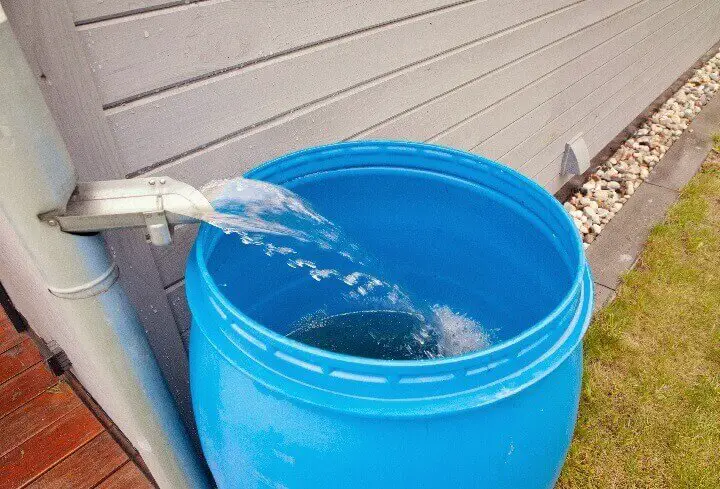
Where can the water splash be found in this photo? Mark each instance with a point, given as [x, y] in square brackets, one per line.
[458, 334]
[382, 320]
[393, 335]
[259, 212]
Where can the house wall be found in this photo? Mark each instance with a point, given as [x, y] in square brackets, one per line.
[199, 90]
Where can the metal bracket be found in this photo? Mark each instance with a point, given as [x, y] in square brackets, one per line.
[576, 158]
[154, 203]
[57, 360]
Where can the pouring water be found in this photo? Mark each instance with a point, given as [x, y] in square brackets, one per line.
[378, 318]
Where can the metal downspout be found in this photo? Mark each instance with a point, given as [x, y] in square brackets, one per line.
[36, 176]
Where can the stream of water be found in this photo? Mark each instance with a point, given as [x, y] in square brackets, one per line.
[380, 319]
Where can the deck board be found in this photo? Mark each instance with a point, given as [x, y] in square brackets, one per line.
[85, 468]
[23, 387]
[126, 477]
[52, 435]
[18, 359]
[8, 336]
[35, 456]
[36, 415]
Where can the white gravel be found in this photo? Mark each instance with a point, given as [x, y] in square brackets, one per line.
[610, 186]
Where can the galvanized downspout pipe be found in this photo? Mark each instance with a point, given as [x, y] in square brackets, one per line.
[36, 176]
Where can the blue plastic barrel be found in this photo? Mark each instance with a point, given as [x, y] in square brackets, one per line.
[460, 230]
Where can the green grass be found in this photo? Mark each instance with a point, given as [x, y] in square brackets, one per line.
[650, 408]
[716, 142]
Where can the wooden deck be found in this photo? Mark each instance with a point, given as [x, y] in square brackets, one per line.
[49, 436]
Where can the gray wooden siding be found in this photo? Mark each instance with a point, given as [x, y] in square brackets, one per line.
[85, 12]
[214, 108]
[510, 80]
[177, 44]
[208, 89]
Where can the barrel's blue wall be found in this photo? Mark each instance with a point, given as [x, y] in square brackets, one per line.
[519, 442]
[271, 411]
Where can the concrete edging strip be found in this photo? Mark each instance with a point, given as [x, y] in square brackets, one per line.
[617, 249]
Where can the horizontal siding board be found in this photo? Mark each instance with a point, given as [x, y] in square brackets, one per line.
[616, 120]
[495, 131]
[195, 114]
[519, 142]
[624, 110]
[637, 93]
[138, 54]
[583, 115]
[85, 11]
[545, 140]
[613, 122]
[357, 109]
[564, 59]
[49, 41]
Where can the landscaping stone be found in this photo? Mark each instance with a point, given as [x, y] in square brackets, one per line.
[610, 186]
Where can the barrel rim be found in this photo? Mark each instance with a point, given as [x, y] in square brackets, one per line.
[282, 343]
[555, 312]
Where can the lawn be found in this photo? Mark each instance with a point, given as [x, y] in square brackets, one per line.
[650, 408]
